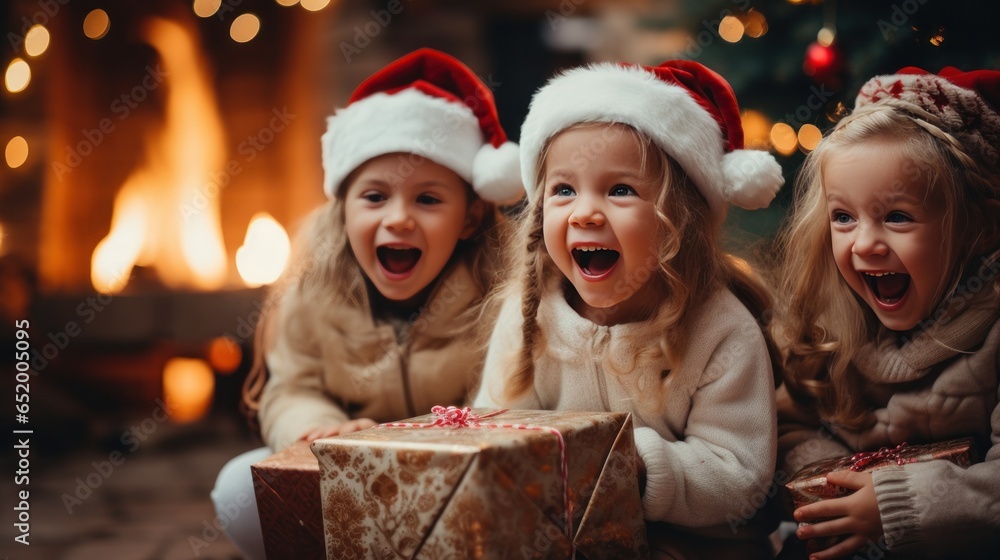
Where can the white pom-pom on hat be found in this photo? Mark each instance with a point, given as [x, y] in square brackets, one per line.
[752, 178]
[496, 173]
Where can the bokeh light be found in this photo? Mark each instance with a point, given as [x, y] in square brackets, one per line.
[36, 41]
[826, 36]
[244, 28]
[97, 24]
[809, 137]
[188, 385]
[783, 139]
[206, 8]
[756, 129]
[755, 24]
[16, 152]
[315, 5]
[224, 355]
[18, 75]
[731, 29]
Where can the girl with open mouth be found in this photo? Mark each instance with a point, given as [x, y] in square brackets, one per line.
[892, 316]
[624, 301]
[379, 315]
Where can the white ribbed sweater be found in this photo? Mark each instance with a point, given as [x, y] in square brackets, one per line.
[708, 449]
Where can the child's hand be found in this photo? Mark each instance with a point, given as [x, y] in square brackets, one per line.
[855, 516]
[355, 425]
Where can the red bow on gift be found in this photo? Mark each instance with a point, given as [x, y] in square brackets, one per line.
[454, 417]
[861, 460]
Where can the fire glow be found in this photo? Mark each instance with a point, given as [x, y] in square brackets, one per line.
[264, 253]
[148, 227]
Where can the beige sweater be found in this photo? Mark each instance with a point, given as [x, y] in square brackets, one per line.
[336, 364]
[709, 449]
[936, 387]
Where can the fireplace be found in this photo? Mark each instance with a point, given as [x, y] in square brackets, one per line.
[178, 161]
[173, 148]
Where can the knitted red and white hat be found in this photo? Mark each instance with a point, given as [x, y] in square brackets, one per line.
[689, 111]
[430, 104]
[967, 103]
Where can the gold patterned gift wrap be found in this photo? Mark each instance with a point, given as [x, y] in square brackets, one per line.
[810, 485]
[497, 484]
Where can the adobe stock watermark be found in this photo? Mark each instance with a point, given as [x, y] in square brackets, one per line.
[426, 148]
[47, 9]
[102, 470]
[391, 351]
[898, 17]
[544, 540]
[122, 106]
[985, 278]
[364, 34]
[226, 7]
[817, 99]
[707, 36]
[86, 312]
[226, 516]
[249, 148]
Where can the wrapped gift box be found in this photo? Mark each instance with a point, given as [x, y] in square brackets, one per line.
[810, 485]
[286, 485]
[484, 491]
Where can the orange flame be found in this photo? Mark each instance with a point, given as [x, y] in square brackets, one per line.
[163, 215]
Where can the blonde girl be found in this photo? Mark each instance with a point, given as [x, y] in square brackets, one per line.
[891, 323]
[377, 321]
[624, 300]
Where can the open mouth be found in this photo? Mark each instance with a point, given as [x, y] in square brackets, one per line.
[595, 261]
[887, 287]
[397, 260]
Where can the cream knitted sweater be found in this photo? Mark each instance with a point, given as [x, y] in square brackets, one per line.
[941, 385]
[710, 445]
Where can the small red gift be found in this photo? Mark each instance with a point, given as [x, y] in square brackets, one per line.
[286, 485]
[810, 484]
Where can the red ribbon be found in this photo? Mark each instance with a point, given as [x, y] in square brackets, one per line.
[454, 417]
[861, 460]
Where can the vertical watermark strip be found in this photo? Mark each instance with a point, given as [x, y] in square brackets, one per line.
[21, 432]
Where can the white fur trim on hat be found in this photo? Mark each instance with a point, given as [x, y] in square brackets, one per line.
[667, 112]
[409, 121]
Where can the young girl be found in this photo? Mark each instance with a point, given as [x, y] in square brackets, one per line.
[892, 321]
[626, 301]
[375, 323]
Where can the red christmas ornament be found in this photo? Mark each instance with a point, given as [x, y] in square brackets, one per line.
[824, 64]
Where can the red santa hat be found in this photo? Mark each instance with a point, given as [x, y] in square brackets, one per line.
[965, 103]
[689, 111]
[430, 104]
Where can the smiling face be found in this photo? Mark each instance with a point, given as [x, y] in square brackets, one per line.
[887, 232]
[404, 229]
[599, 221]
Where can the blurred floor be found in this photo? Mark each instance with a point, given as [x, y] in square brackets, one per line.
[149, 502]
